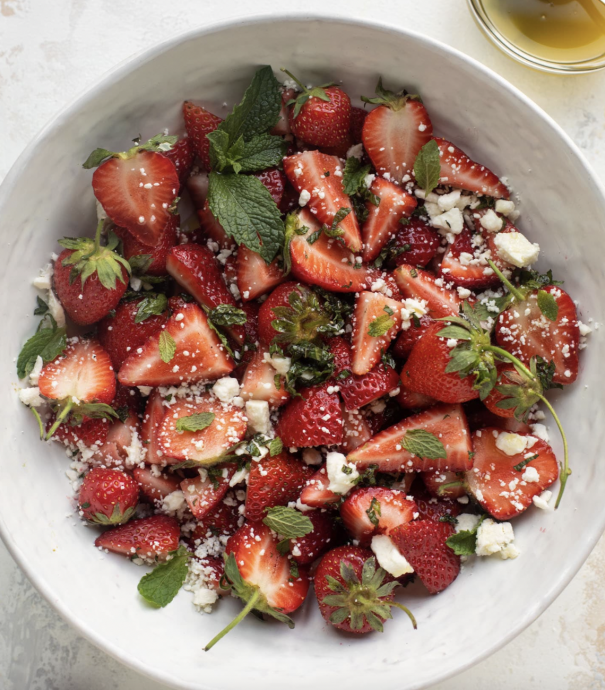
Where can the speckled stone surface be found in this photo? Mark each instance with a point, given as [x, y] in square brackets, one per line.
[50, 52]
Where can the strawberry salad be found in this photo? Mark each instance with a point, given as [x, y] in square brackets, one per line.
[305, 345]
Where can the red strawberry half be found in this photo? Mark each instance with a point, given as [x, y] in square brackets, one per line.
[155, 487]
[418, 242]
[315, 493]
[151, 538]
[199, 122]
[307, 549]
[259, 380]
[254, 276]
[182, 155]
[158, 253]
[416, 283]
[203, 493]
[108, 497]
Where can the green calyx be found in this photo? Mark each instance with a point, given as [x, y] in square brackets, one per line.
[90, 257]
[117, 516]
[395, 101]
[303, 320]
[75, 412]
[161, 143]
[254, 599]
[362, 601]
[306, 94]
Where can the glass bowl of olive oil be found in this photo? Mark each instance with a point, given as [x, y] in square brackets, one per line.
[561, 36]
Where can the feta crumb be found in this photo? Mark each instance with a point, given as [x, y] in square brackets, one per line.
[226, 389]
[541, 432]
[496, 538]
[304, 197]
[511, 444]
[355, 151]
[584, 329]
[35, 372]
[340, 481]
[239, 477]
[389, 557]
[515, 248]
[530, 475]
[505, 206]
[257, 412]
[542, 500]
[466, 522]
[450, 221]
[491, 221]
[31, 397]
[463, 292]
[447, 202]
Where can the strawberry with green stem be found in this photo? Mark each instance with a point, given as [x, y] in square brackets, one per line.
[475, 356]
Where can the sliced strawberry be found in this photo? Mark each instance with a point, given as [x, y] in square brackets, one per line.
[419, 284]
[115, 452]
[425, 371]
[479, 417]
[212, 229]
[307, 549]
[197, 186]
[410, 400]
[315, 493]
[182, 155]
[259, 382]
[375, 510]
[152, 418]
[383, 221]
[137, 193]
[274, 481]
[282, 128]
[199, 354]
[376, 321]
[502, 490]
[463, 264]
[432, 508]
[394, 133]
[196, 270]
[91, 432]
[325, 262]
[422, 543]
[251, 331]
[254, 276]
[444, 484]
[108, 497]
[358, 117]
[207, 446]
[203, 493]
[418, 242]
[120, 334]
[155, 487]
[151, 538]
[198, 123]
[313, 419]
[307, 172]
[525, 332]
[83, 372]
[446, 422]
[408, 338]
[158, 253]
[224, 520]
[275, 181]
[458, 170]
[357, 430]
[358, 391]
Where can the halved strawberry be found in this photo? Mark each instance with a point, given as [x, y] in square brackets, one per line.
[223, 520]
[502, 490]
[410, 400]
[446, 422]
[195, 269]
[383, 221]
[321, 176]
[425, 370]
[495, 396]
[307, 549]
[463, 265]
[259, 382]
[443, 484]
[199, 354]
[199, 122]
[212, 229]
[137, 193]
[197, 186]
[419, 284]
[158, 253]
[152, 418]
[315, 493]
[203, 493]
[376, 321]
[458, 170]
[479, 417]
[432, 507]
[395, 131]
[108, 497]
[254, 276]
[375, 510]
[152, 538]
[407, 339]
[320, 260]
[358, 391]
[313, 419]
[90, 432]
[209, 445]
[418, 242]
[155, 487]
[524, 331]
[116, 451]
[182, 155]
[422, 543]
[274, 481]
[275, 181]
[357, 430]
[120, 333]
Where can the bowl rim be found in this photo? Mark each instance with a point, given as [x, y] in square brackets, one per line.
[129, 65]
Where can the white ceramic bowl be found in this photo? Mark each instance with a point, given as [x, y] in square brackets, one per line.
[48, 195]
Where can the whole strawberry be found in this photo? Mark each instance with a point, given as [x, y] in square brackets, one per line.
[108, 497]
[90, 279]
[352, 594]
[199, 122]
[320, 116]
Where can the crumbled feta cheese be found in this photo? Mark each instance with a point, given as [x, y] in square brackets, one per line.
[44, 279]
[145, 390]
[530, 475]
[447, 202]
[542, 500]
[463, 292]
[35, 372]
[515, 248]
[511, 444]
[342, 474]
[226, 389]
[466, 522]
[239, 477]
[174, 502]
[135, 450]
[279, 363]
[491, 221]
[31, 397]
[355, 151]
[368, 180]
[505, 206]
[257, 412]
[541, 432]
[389, 557]
[450, 221]
[304, 197]
[55, 309]
[584, 329]
[496, 538]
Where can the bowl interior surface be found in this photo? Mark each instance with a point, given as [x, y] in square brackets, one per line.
[48, 195]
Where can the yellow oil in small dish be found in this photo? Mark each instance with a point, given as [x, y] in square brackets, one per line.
[555, 31]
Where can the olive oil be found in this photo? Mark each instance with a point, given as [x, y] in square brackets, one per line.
[558, 31]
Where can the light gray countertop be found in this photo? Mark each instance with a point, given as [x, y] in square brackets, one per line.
[49, 53]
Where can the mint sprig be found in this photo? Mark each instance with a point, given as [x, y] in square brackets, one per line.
[427, 166]
[464, 543]
[48, 342]
[195, 422]
[162, 584]
[423, 444]
[287, 522]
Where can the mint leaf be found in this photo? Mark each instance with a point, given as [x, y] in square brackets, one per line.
[220, 154]
[464, 543]
[288, 522]
[548, 305]
[259, 109]
[275, 446]
[380, 326]
[423, 444]
[374, 512]
[47, 343]
[245, 209]
[353, 177]
[167, 347]
[227, 315]
[161, 585]
[427, 166]
[41, 308]
[195, 422]
[526, 461]
[151, 305]
[140, 263]
[262, 152]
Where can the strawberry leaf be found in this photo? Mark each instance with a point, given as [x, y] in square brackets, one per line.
[195, 422]
[427, 166]
[423, 444]
[167, 347]
[288, 522]
[161, 585]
